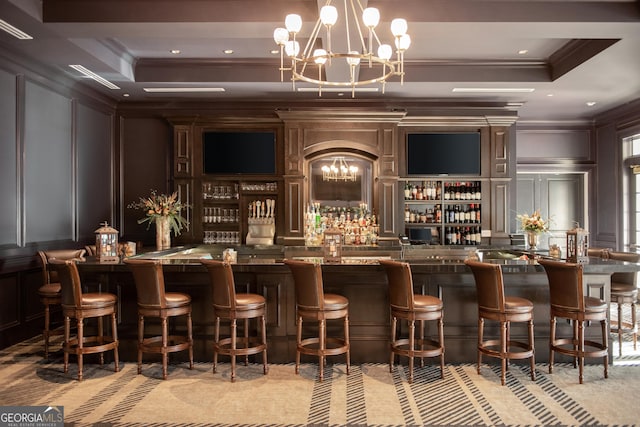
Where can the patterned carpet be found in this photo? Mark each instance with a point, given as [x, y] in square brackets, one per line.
[368, 396]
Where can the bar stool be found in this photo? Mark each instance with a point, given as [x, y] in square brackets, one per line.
[313, 304]
[227, 304]
[80, 306]
[153, 301]
[624, 290]
[495, 306]
[568, 301]
[410, 307]
[50, 291]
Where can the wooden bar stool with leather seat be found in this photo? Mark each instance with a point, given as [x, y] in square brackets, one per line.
[80, 306]
[412, 308]
[50, 291]
[495, 306]
[227, 304]
[153, 301]
[313, 304]
[624, 290]
[568, 301]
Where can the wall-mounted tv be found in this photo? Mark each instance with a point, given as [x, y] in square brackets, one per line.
[443, 153]
[230, 153]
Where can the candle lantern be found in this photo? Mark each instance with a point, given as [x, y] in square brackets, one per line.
[333, 246]
[577, 245]
[107, 244]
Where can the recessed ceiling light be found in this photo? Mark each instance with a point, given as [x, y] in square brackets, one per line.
[493, 89]
[591, 103]
[19, 34]
[228, 51]
[126, 95]
[182, 89]
[175, 51]
[549, 94]
[523, 52]
[275, 52]
[94, 76]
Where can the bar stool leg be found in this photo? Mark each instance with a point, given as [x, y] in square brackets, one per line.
[531, 346]
[412, 327]
[190, 339]
[234, 330]
[503, 351]
[552, 341]
[114, 334]
[348, 343]
[263, 326]
[299, 341]
[246, 340]
[323, 336]
[45, 333]
[441, 338]
[620, 327]
[140, 341]
[165, 343]
[216, 339]
[480, 339]
[101, 338]
[394, 325]
[67, 332]
[80, 325]
[605, 335]
[634, 325]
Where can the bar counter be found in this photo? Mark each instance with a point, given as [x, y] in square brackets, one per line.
[436, 271]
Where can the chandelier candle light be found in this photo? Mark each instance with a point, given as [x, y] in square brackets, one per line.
[339, 171]
[303, 61]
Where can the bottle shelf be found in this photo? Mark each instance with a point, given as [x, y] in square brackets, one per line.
[452, 209]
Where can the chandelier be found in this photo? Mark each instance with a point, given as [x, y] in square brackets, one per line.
[305, 62]
[339, 171]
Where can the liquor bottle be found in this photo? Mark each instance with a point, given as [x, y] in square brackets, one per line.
[407, 213]
[438, 190]
[472, 213]
[447, 194]
[457, 193]
[414, 191]
[478, 195]
[407, 191]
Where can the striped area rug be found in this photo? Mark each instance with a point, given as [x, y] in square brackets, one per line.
[369, 396]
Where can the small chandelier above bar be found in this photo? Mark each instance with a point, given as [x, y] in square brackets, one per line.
[306, 65]
[339, 171]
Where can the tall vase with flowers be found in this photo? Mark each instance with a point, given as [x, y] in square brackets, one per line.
[533, 225]
[165, 211]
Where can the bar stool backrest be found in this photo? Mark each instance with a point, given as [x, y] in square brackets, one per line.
[629, 278]
[149, 279]
[400, 284]
[51, 276]
[221, 275]
[566, 289]
[67, 272]
[307, 277]
[489, 285]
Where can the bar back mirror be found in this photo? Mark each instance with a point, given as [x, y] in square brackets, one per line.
[341, 180]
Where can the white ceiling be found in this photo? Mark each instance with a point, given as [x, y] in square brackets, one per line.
[578, 51]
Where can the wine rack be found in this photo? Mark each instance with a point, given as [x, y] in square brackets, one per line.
[443, 212]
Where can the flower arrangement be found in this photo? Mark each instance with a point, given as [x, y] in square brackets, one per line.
[162, 206]
[534, 222]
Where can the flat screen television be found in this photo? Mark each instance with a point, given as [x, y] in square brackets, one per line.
[443, 153]
[230, 153]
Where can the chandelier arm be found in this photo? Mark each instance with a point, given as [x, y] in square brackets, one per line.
[312, 39]
[355, 16]
[346, 24]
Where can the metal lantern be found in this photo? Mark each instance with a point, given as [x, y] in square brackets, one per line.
[107, 244]
[577, 245]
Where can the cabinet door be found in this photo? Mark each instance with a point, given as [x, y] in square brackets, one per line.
[559, 197]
